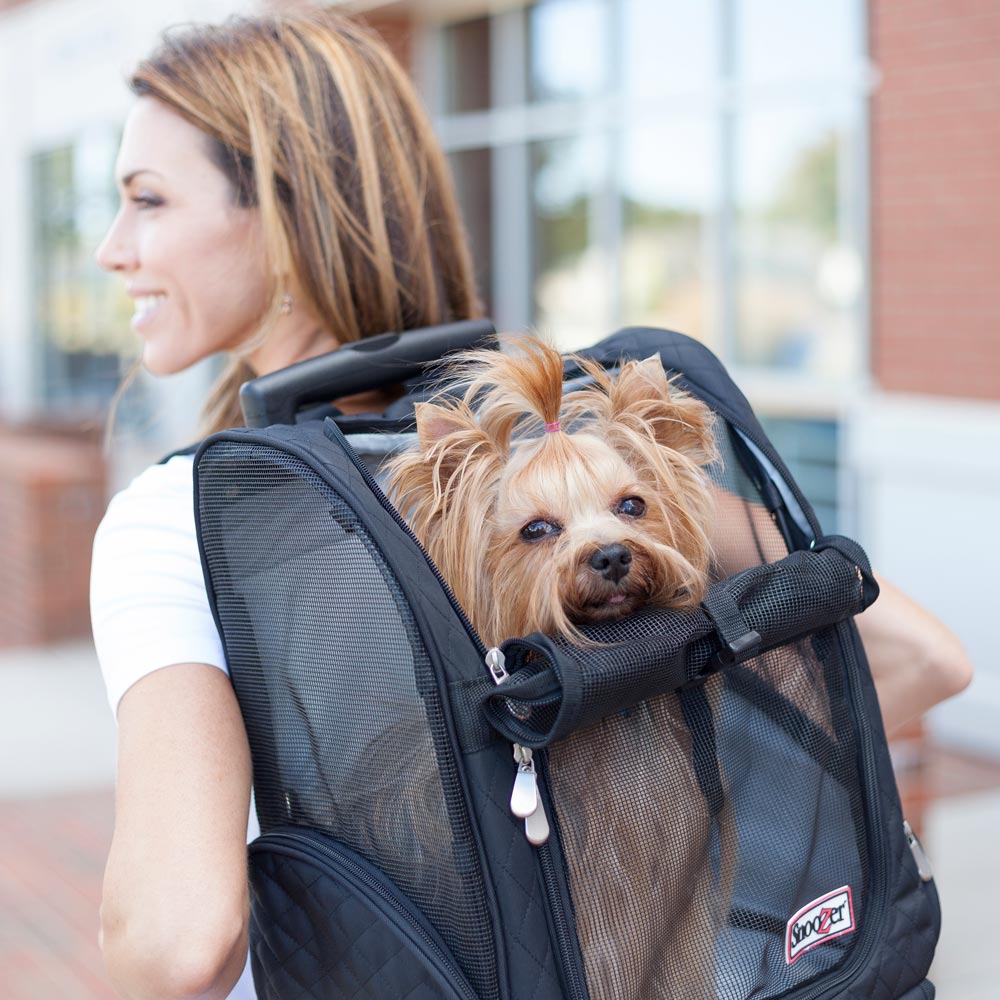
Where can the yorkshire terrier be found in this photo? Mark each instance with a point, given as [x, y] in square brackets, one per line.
[546, 512]
[549, 512]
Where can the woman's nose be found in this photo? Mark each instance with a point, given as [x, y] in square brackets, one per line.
[115, 252]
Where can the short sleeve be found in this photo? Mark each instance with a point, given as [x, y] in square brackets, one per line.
[148, 603]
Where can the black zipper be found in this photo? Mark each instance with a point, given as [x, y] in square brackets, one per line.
[877, 865]
[345, 865]
[557, 893]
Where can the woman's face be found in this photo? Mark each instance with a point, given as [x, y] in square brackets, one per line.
[192, 259]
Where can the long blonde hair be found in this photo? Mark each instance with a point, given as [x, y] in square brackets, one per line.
[319, 128]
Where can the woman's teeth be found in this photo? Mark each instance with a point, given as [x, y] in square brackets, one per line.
[145, 304]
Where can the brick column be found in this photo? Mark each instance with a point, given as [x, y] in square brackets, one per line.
[935, 142]
[53, 491]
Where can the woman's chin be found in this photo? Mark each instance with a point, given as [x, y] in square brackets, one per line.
[159, 364]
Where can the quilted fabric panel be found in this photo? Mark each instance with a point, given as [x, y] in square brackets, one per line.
[531, 965]
[311, 938]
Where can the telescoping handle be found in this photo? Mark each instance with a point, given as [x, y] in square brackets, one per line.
[366, 364]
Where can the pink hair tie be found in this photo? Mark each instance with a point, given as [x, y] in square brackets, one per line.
[552, 428]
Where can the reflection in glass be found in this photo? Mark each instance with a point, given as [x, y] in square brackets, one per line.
[798, 274]
[668, 46]
[81, 317]
[472, 169]
[467, 65]
[567, 49]
[809, 449]
[572, 273]
[778, 40]
[669, 186]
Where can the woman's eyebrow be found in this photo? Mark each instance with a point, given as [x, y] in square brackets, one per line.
[132, 174]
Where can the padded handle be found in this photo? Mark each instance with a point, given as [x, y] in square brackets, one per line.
[556, 687]
[365, 364]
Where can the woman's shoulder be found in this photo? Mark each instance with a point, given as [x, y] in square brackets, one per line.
[149, 606]
[162, 493]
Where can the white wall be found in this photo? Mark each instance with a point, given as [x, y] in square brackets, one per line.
[928, 489]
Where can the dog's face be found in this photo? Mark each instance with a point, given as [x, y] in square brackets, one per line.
[602, 512]
[580, 535]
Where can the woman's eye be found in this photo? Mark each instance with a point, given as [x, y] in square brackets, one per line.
[631, 507]
[147, 201]
[534, 531]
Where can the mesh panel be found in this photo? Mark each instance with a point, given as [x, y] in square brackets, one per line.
[335, 685]
[696, 824]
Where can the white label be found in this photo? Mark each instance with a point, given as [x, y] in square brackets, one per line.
[831, 916]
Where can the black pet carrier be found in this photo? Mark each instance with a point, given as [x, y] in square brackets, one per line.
[706, 804]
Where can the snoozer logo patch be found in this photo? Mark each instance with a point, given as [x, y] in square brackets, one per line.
[831, 916]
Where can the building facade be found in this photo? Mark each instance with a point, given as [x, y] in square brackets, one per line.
[807, 187]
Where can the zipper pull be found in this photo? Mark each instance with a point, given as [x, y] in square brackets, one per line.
[524, 798]
[527, 794]
[525, 801]
[496, 662]
[536, 826]
[916, 849]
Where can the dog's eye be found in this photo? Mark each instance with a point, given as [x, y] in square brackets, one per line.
[632, 507]
[534, 531]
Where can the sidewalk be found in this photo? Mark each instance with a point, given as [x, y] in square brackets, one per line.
[56, 811]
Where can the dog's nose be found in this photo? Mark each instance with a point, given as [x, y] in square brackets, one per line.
[612, 562]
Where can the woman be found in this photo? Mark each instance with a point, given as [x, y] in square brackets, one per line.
[282, 194]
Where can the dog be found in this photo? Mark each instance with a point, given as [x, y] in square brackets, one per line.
[549, 512]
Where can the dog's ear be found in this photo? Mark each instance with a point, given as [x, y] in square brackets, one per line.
[643, 398]
[436, 422]
[452, 437]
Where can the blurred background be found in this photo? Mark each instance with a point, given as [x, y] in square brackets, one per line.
[808, 186]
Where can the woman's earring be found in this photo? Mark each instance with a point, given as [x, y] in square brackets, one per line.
[286, 305]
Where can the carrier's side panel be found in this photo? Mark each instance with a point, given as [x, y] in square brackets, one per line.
[341, 696]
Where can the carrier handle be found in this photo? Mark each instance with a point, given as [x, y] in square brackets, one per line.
[356, 367]
[555, 688]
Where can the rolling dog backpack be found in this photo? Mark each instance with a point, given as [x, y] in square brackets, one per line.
[704, 801]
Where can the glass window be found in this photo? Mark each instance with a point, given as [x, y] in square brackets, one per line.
[472, 169]
[668, 46]
[572, 278]
[467, 65]
[669, 186]
[81, 318]
[809, 449]
[777, 40]
[798, 276]
[568, 52]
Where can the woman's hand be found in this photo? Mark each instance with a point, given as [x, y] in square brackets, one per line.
[916, 660]
[175, 907]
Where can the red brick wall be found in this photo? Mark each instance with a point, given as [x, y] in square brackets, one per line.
[935, 133]
[53, 492]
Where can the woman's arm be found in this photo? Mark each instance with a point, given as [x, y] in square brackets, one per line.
[175, 907]
[916, 660]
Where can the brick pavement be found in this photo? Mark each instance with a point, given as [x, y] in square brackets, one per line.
[52, 853]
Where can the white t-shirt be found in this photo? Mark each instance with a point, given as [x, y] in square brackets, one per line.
[148, 604]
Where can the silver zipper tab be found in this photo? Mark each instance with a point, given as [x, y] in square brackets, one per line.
[496, 662]
[536, 826]
[524, 798]
[924, 869]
